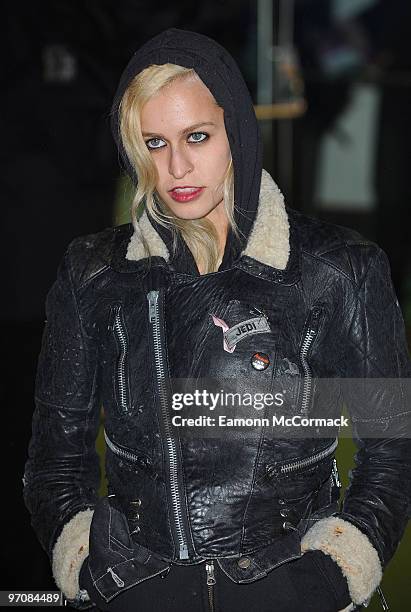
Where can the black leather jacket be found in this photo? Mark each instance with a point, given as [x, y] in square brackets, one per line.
[311, 301]
[118, 331]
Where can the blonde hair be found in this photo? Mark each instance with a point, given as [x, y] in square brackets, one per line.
[200, 235]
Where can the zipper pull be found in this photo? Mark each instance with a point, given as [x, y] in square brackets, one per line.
[183, 551]
[384, 604]
[335, 474]
[271, 471]
[113, 316]
[165, 572]
[116, 578]
[210, 572]
[152, 297]
[315, 315]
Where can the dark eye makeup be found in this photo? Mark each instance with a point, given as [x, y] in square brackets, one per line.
[152, 143]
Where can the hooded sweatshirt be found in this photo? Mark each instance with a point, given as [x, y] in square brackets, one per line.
[220, 73]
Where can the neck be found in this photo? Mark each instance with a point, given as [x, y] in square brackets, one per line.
[218, 217]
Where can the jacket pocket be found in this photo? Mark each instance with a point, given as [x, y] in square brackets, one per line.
[330, 574]
[116, 562]
[299, 481]
[318, 583]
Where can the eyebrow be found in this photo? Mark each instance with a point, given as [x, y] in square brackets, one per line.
[182, 132]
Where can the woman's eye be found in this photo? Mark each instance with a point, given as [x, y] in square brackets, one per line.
[198, 137]
[155, 143]
[158, 143]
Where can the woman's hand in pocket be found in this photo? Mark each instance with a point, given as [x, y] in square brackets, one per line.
[320, 583]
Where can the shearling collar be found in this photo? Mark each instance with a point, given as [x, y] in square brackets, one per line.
[268, 242]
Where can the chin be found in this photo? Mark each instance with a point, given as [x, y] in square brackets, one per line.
[189, 210]
[190, 217]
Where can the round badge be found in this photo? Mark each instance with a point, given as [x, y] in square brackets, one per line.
[260, 361]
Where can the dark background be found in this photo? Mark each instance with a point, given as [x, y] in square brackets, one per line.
[60, 176]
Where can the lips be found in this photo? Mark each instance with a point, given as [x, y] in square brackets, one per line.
[185, 194]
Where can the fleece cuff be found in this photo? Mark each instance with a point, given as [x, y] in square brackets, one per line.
[351, 549]
[69, 552]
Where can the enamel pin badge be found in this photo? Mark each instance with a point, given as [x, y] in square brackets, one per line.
[233, 335]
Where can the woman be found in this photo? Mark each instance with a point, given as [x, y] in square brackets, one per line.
[216, 286]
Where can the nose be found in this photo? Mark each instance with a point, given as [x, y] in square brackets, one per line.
[179, 163]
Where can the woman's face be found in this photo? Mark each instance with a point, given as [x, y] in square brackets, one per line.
[184, 131]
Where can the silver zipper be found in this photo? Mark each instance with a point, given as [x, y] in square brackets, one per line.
[210, 583]
[384, 604]
[302, 463]
[154, 320]
[305, 347]
[335, 474]
[122, 452]
[117, 327]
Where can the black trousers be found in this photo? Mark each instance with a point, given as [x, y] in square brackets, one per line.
[310, 583]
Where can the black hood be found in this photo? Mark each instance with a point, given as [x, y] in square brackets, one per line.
[220, 73]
